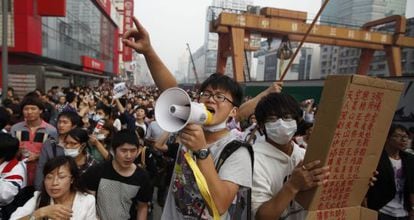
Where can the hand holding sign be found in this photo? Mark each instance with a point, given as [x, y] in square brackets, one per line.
[120, 89]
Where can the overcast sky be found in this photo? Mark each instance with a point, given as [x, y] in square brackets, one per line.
[173, 23]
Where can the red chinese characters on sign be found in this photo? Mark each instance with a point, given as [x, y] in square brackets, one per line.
[349, 147]
[128, 13]
[92, 65]
[337, 214]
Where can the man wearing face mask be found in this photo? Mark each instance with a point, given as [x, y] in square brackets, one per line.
[102, 112]
[279, 173]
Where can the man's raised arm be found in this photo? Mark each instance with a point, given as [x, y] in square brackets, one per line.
[139, 40]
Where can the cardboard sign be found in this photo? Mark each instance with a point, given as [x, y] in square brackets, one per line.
[350, 130]
[120, 89]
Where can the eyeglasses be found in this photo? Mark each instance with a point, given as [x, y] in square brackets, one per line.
[401, 137]
[217, 97]
[72, 144]
[59, 178]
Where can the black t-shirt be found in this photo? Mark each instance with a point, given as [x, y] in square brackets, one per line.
[116, 195]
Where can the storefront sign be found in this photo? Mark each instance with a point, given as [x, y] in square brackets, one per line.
[128, 24]
[55, 8]
[92, 65]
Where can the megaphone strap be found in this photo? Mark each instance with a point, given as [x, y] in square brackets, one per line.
[202, 185]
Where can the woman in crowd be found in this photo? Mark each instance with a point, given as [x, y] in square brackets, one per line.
[61, 196]
[75, 146]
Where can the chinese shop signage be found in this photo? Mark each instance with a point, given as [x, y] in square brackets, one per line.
[92, 65]
[54, 8]
[350, 131]
[128, 24]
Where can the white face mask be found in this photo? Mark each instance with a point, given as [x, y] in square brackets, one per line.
[100, 137]
[96, 117]
[281, 131]
[71, 152]
[214, 128]
[218, 127]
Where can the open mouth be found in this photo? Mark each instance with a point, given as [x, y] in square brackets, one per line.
[211, 110]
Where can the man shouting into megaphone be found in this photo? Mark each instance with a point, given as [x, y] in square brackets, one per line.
[198, 190]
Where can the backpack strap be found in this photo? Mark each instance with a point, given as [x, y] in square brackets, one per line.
[54, 146]
[232, 147]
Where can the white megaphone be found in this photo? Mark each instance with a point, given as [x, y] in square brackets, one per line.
[174, 110]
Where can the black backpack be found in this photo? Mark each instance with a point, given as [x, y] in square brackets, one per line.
[242, 208]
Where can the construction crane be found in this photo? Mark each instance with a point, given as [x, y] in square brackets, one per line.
[236, 32]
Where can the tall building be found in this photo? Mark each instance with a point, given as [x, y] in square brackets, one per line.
[69, 42]
[205, 57]
[182, 68]
[352, 13]
[379, 65]
[125, 9]
[139, 72]
[309, 62]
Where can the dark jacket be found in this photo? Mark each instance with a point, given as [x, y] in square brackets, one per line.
[50, 150]
[384, 189]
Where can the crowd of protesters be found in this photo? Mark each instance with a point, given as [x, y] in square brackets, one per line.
[80, 153]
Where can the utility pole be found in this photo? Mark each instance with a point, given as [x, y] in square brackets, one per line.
[192, 61]
[4, 51]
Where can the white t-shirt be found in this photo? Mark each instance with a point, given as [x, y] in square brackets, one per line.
[184, 200]
[272, 168]
[395, 207]
[143, 126]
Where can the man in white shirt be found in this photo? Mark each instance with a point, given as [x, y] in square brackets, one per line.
[279, 173]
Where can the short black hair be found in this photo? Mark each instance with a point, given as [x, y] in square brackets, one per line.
[221, 81]
[54, 163]
[79, 134]
[72, 116]
[395, 127]
[279, 105]
[32, 100]
[124, 136]
[143, 108]
[9, 146]
[70, 97]
[106, 109]
[4, 117]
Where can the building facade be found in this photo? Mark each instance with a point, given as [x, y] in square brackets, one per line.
[205, 57]
[379, 66]
[352, 13]
[64, 42]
